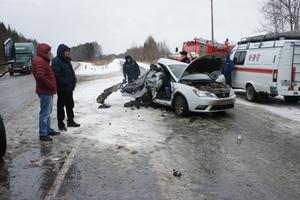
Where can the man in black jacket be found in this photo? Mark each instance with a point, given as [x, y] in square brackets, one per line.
[131, 69]
[66, 82]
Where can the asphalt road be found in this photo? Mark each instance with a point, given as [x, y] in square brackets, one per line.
[15, 92]
[265, 165]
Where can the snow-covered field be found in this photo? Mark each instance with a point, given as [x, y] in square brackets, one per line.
[89, 69]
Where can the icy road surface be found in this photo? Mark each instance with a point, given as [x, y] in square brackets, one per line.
[130, 154]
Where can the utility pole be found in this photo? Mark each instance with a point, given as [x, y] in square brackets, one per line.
[212, 22]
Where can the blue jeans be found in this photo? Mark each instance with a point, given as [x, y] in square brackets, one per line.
[44, 118]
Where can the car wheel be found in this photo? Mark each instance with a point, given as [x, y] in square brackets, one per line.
[251, 94]
[11, 73]
[291, 99]
[2, 138]
[181, 106]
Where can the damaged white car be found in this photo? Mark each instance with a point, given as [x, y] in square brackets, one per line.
[197, 87]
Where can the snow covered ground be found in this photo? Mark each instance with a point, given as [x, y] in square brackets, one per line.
[274, 105]
[117, 124]
[89, 69]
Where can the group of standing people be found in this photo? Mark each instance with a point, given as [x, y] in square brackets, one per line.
[56, 77]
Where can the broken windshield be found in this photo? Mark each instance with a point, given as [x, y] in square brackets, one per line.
[177, 70]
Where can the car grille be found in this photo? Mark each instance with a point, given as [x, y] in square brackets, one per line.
[222, 107]
[18, 65]
[223, 95]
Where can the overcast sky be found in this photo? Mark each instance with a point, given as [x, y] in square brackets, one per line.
[119, 24]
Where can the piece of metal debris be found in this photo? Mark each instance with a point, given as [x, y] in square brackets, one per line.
[103, 106]
[239, 139]
[177, 173]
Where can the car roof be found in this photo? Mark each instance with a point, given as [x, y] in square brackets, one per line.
[166, 61]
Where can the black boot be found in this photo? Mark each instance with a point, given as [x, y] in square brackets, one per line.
[73, 124]
[53, 132]
[62, 127]
[46, 138]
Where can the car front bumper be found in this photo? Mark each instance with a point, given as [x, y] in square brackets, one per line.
[208, 104]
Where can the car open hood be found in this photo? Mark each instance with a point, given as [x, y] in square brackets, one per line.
[205, 64]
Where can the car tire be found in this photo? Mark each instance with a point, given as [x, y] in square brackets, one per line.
[11, 73]
[291, 99]
[2, 138]
[251, 94]
[181, 106]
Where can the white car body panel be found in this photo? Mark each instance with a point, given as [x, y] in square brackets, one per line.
[194, 101]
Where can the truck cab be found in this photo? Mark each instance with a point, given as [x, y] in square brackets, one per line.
[24, 55]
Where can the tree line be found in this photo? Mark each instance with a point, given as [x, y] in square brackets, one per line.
[90, 51]
[150, 51]
[7, 32]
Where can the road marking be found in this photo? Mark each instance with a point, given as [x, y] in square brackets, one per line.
[62, 173]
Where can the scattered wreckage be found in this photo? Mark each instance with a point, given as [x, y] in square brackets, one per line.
[196, 87]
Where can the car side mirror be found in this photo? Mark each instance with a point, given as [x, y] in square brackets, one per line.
[9, 51]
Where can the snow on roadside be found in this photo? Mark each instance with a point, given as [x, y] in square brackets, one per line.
[277, 106]
[89, 69]
[115, 125]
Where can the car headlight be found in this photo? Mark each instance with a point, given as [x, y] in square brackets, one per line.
[232, 92]
[203, 93]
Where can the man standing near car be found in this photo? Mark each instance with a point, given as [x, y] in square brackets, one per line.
[66, 82]
[184, 57]
[131, 70]
[45, 88]
[227, 70]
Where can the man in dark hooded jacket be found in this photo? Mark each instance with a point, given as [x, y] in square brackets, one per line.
[131, 69]
[66, 82]
[227, 70]
[184, 58]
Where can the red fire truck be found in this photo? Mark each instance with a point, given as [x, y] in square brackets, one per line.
[199, 47]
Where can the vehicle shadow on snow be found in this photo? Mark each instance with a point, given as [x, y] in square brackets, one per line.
[270, 101]
[193, 116]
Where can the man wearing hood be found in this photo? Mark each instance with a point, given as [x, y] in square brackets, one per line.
[131, 69]
[45, 88]
[66, 82]
[184, 58]
[227, 70]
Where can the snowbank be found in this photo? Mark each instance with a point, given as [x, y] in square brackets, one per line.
[89, 69]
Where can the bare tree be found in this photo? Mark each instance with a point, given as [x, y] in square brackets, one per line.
[281, 15]
[150, 51]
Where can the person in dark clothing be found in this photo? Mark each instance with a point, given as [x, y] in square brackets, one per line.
[45, 88]
[184, 58]
[66, 82]
[131, 70]
[228, 68]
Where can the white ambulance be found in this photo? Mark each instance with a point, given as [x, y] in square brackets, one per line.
[268, 65]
